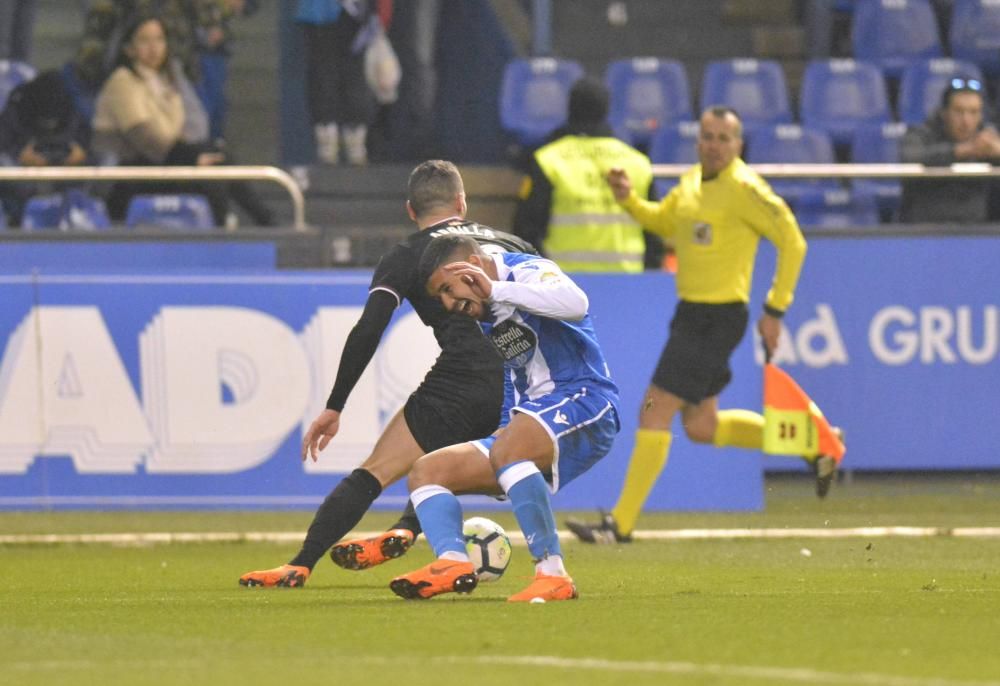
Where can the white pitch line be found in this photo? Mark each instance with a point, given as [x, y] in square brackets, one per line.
[160, 538]
[771, 674]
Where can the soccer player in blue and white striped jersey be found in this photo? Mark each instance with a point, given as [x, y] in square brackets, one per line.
[562, 413]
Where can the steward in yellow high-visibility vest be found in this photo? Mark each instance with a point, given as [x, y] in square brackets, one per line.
[567, 209]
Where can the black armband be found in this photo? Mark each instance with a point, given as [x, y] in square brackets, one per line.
[776, 313]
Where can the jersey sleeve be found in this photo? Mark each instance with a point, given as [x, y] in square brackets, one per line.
[361, 344]
[656, 217]
[394, 273]
[540, 287]
[769, 215]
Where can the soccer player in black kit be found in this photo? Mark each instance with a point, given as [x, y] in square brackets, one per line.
[459, 399]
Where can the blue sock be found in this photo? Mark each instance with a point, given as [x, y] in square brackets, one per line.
[529, 494]
[440, 516]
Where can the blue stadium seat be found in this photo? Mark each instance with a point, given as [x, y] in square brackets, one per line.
[891, 33]
[674, 144]
[879, 144]
[183, 211]
[756, 89]
[975, 33]
[923, 83]
[840, 95]
[69, 211]
[42, 212]
[12, 75]
[836, 209]
[792, 144]
[534, 96]
[646, 93]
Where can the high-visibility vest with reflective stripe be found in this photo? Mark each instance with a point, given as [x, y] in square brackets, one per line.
[588, 231]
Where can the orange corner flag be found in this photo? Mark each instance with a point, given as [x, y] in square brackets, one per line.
[793, 424]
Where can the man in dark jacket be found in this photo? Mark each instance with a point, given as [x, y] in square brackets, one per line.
[957, 132]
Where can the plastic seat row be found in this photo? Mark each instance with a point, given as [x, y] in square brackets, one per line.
[891, 33]
[76, 210]
[837, 95]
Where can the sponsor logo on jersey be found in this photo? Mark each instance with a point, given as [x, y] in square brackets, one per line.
[515, 341]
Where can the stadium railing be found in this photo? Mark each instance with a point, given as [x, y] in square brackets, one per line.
[852, 171]
[178, 174]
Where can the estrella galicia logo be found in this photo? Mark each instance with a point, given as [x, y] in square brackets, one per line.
[516, 342]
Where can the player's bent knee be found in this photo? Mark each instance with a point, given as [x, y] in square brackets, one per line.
[700, 433]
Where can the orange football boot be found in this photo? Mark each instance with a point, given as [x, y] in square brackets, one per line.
[440, 576]
[285, 576]
[545, 588]
[362, 553]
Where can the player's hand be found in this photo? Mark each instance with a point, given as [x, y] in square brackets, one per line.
[770, 329]
[473, 276]
[621, 184]
[323, 428]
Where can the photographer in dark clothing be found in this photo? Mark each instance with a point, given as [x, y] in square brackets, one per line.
[39, 128]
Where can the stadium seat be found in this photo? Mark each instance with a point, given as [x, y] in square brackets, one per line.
[756, 89]
[12, 75]
[840, 95]
[69, 211]
[975, 33]
[534, 97]
[674, 144]
[923, 83]
[879, 144]
[184, 212]
[891, 33]
[792, 144]
[647, 93]
[830, 209]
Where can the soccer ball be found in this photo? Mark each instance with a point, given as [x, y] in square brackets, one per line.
[488, 547]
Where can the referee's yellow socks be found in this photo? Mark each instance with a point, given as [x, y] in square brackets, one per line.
[648, 459]
[739, 429]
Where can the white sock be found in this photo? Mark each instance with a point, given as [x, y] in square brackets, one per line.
[454, 555]
[551, 566]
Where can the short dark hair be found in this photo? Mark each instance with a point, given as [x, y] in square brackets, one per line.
[444, 250]
[588, 102]
[432, 184]
[721, 111]
[962, 85]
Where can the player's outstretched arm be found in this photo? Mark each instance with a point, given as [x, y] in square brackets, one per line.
[323, 428]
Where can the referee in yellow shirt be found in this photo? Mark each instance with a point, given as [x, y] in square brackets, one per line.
[714, 218]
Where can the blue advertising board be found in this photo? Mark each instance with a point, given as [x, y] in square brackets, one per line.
[192, 390]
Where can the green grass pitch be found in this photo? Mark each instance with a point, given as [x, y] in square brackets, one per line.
[894, 611]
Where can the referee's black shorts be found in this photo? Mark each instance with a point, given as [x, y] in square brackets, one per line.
[443, 412]
[694, 365]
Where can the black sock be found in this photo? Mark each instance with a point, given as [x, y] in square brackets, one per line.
[408, 520]
[339, 513]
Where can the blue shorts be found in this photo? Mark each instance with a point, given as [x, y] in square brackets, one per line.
[582, 425]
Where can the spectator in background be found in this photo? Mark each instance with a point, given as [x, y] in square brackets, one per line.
[213, 34]
[957, 132]
[566, 209]
[147, 114]
[199, 35]
[341, 104]
[39, 128]
[17, 25]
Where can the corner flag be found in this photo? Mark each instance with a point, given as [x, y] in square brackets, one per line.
[793, 424]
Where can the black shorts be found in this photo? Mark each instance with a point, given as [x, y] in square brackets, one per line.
[442, 412]
[694, 365]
